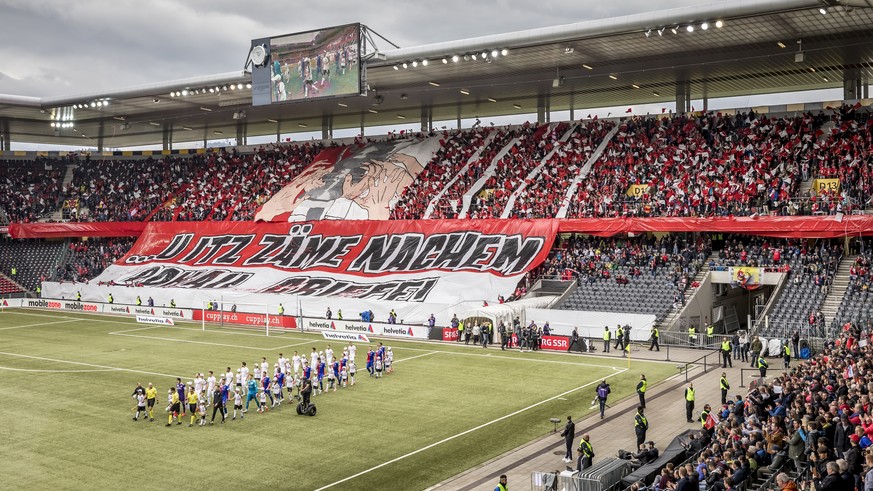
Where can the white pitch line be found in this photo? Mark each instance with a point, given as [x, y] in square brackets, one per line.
[90, 365]
[499, 357]
[416, 356]
[59, 371]
[444, 440]
[192, 342]
[40, 324]
[135, 329]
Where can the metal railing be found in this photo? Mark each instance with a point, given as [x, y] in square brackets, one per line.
[707, 364]
[605, 475]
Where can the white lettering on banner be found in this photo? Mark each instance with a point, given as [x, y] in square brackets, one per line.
[375, 329]
[144, 319]
[393, 261]
[345, 336]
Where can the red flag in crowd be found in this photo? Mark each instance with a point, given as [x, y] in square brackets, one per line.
[711, 421]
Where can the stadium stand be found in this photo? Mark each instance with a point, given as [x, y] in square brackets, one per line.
[8, 287]
[856, 306]
[87, 259]
[448, 163]
[29, 189]
[506, 141]
[845, 155]
[544, 191]
[33, 260]
[639, 275]
[217, 186]
[708, 165]
[810, 267]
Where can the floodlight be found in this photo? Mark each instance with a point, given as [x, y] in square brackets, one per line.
[690, 28]
[455, 59]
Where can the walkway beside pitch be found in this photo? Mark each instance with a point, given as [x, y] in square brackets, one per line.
[665, 410]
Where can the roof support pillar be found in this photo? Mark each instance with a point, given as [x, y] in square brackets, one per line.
[426, 119]
[326, 126]
[543, 102]
[5, 135]
[100, 128]
[167, 136]
[241, 129]
[572, 107]
[853, 85]
[362, 125]
[683, 97]
[459, 116]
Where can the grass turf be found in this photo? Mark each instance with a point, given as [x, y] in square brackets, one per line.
[445, 409]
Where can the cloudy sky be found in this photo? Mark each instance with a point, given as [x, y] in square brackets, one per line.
[54, 47]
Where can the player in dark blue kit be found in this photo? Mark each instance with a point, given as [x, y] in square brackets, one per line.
[320, 372]
[280, 377]
[265, 383]
[370, 358]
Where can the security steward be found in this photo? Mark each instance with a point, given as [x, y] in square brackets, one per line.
[726, 354]
[641, 424]
[655, 338]
[586, 453]
[689, 402]
[762, 365]
[710, 330]
[725, 386]
[641, 390]
[111, 299]
[607, 335]
[692, 336]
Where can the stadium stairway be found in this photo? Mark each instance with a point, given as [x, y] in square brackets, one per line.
[467, 199]
[510, 204]
[470, 161]
[58, 215]
[837, 290]
[608, 435]
[670, 321]
[583, 171]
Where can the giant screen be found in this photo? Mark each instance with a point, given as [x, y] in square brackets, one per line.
[309, 65]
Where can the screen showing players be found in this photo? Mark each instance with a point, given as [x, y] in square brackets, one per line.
[309, 65]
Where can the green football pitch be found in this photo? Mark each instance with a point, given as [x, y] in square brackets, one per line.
[66, 417]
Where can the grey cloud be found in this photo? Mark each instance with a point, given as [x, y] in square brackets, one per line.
[53, 47]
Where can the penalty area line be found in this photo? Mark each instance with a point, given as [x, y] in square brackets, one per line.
[108, 368]
[40, 324]
[466, 432]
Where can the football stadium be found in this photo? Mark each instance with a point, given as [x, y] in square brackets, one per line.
[507, 261]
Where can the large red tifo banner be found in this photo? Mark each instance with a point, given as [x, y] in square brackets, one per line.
[412, 261]
[817, 227]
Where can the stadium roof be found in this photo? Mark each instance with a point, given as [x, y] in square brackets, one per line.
[630, 60]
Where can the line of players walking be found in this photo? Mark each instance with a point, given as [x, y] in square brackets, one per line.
[319, 373]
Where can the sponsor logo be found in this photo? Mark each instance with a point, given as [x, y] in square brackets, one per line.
[345, 336]
[85, 307]
[451, 334]
[5, 303]
[172, 313]
[397, 331]
[321, 325]
[555, 343]
[119, 309]
[143, 310]
[164, 321]
[50, 304]
[357, 327]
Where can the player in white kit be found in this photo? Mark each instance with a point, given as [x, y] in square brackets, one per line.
[295, 360]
